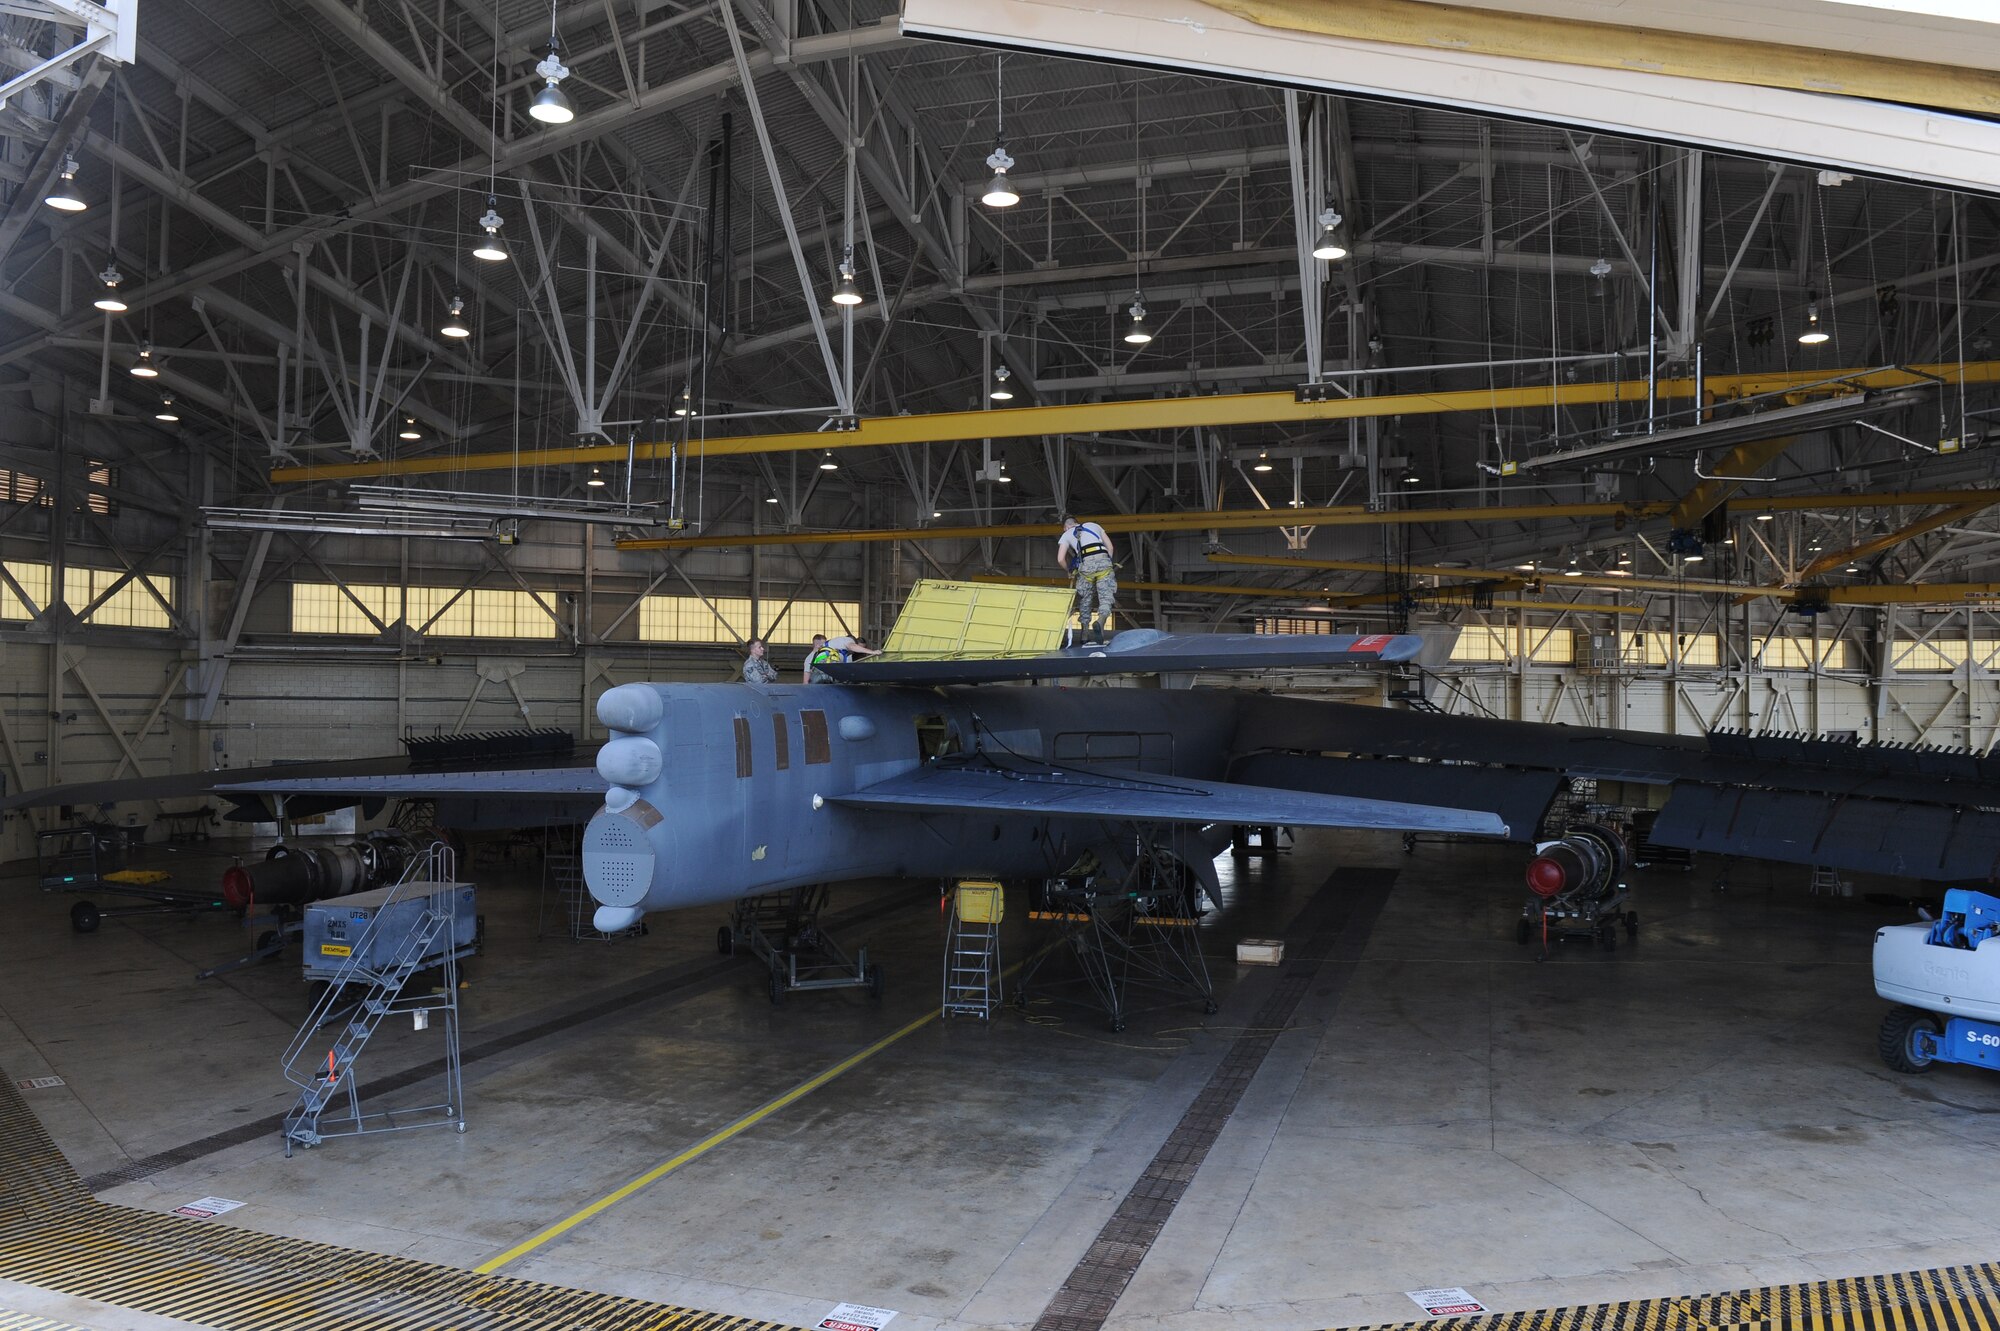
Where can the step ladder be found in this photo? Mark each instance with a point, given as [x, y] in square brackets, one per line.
[972, 980]
[1826, 880]
[328, 1079]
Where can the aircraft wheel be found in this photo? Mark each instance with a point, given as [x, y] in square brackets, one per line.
[83, 917]
[725, 940]
[1522, 932]
[875, 982]
[1631, 924]
[1898, 1042]
[777, 984]
[1117, 1025]
[268, 938]
[1409, 843]
[1210, 1008]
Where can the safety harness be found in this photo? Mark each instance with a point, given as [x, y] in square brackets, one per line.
[1089, 542]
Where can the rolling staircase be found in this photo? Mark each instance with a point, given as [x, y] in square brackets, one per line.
[411, 932]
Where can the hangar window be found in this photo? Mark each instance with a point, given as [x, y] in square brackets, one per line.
[742, 746]
[1930, 655]
[781, 741]
[435, 612]
[1291, 624]
[32, 579]
[798, 622]
[814, 725]
[1483, 642]
[691, 619]
[130, 607]
[1783, 653]
[19, 488]
[1663, 649]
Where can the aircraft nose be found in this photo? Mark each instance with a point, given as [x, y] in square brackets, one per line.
[619, 858]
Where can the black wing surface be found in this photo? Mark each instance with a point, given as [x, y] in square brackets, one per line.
[1145, 651]
[980, 784]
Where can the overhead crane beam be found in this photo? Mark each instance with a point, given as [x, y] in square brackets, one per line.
[1292, 594]
[1265, 519]
[1739, 464]
[1875, 545]
[1172, 413]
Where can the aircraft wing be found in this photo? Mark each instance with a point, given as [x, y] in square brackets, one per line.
[559, 782]
[1145, 651]
[981, 785]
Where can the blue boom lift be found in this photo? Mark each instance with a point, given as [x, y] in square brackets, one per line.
[1944, 977]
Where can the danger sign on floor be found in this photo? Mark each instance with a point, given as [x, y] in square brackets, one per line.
[856, 1317]
[1445, 1302]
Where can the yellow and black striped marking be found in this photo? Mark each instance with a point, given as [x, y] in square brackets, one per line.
[54, 1235]
[1952, 1298]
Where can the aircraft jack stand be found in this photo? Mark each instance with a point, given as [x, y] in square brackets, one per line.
[1138, 933]
[782, 930]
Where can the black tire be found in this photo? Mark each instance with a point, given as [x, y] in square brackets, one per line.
[83, 917]
[876, 984]
[1523, 931]
[1409, 843]
[725, 941]
[1210, 1008]
[1631, 924]
[777, 986]
[268, 938]
[1898, 1039]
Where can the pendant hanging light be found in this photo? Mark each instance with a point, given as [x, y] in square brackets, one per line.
[596, 478]
[1329, 246]
[63, 197]
[999, 194]
[1814, 334]
[410, 430]
[109, 302]
[1138, 334]
[1000, 392]
[143, 367]
[488, 246]
[551, 105]
[846, 291]
[685, 407]
[1263, 462]
[826, 462]
[454, 322]
[166, 411]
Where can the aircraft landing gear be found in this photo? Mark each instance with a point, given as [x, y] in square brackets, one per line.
[782, 930]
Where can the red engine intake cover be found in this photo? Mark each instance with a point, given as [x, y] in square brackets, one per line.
[1547, 876]
[237, 889]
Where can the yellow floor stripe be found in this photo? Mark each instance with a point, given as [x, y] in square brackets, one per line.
[700, 1148]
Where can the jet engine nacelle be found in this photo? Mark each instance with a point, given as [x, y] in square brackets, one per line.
[297, 874]
[1585, 864]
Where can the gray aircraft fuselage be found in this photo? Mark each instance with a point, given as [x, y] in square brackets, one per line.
[724, 791]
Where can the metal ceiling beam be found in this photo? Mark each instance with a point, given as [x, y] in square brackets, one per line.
[1159, 414]
[1875, 545]
[1739, 464]
[1255, 519]
[1280, 593]
[1362, 566]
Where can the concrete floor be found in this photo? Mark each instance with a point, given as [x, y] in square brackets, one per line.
[1700, 1110]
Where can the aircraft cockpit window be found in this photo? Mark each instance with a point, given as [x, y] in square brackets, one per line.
[814, 725]
[936, 738]
[781, 741]
[743, 746]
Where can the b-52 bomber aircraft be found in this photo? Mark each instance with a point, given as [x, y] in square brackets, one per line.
[708, 793]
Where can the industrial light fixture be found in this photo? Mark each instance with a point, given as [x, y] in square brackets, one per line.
[1692, 559]
[1000, 392]
[846, 291]
[1524, 568]
[1572, 573]
[999, 193]
[596, 478]
[1854, 568]
[489, 247]
[826, 462]
[109, 302]
[166, 411]
[1814, 334]
[1764, 517]
[409, 430]
[1329, 246]
[1263, 462]
[64, 198]
[143, 368]
[1411, 478]
[1625, 556]
[454, 322]
[1138, 334]
[685, 407]
[770, 499]
[1003, 477]
[551, 105]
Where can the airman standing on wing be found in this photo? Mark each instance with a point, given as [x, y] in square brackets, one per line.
[1084, 551]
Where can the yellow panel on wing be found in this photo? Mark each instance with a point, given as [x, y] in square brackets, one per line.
[949, 620]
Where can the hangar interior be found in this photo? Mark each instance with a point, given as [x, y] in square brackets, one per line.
[374, 370]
